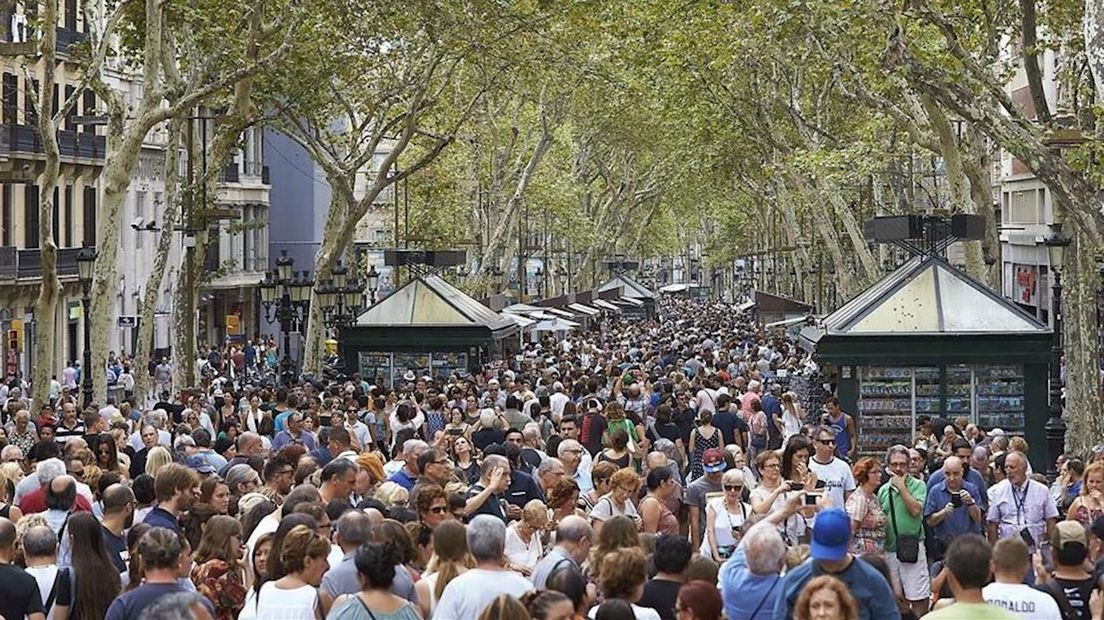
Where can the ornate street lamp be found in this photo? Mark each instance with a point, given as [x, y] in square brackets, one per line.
[285, 297]
[538, 275]
[86, 263]
[373, 278]
[1056, 243]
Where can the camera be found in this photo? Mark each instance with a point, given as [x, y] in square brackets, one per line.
[811, 499]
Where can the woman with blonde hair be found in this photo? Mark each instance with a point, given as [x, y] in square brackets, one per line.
[624, 485]
[825, 598]
[392, 494]
[1089, 505]
[792, 415]
[523, 537]
[295, 595]
[450, 559]
[7, 489]
[158, 457]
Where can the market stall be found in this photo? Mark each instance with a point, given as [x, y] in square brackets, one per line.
[429, 327]
[927, 340]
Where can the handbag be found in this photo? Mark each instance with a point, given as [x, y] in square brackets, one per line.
[908, 545]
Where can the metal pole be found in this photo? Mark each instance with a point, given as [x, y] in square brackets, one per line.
[1055, 427]
[86, 378]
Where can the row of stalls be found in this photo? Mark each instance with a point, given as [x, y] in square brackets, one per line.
[431, 328]
[927, 340]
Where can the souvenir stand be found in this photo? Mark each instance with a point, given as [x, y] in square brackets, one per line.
[927, 340]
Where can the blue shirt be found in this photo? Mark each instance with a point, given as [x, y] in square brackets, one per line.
[403, 479]
[284, 437]
[866, 584]
[279, 421]
[971, 476]
[159, 517]
[959, 521]
[843, 435]
[746, 595]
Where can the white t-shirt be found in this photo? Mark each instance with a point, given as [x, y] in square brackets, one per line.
[521, 552]
[45, 576]
[838, 478]
[469, 594]
[640, 613]
[278, 604]
[604, 509]
[1022, 600]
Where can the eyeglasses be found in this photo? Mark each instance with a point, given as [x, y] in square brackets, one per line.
[442, 462]
[438, 510]
[772, 466]
[733, 487]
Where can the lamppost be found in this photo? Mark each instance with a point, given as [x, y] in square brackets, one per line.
[372, 277]
[538, 277]
[1055, 428]
[561, 275]
[86, 263]
[285, 297]
[341, 299]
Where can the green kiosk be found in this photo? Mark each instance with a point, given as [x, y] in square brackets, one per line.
[427, 327]
[929, 340]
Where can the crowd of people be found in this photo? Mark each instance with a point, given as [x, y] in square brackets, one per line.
[651, 469]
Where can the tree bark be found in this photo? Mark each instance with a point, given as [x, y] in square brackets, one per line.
[152, 291]
[50, 288]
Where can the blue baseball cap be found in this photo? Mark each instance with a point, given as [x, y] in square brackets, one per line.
[831, 535]
[200, 464]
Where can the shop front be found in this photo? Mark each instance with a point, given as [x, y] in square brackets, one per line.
[929, 341]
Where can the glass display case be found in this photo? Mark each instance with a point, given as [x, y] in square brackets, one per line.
[959, 394]
[1000, 398]
[885, 408]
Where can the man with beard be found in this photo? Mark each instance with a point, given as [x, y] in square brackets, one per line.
[176, 488]
[118, 516]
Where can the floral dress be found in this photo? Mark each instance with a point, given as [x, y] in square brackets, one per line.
[870, 536]
[222, 584]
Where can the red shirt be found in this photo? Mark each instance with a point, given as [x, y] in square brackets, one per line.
[36, 502]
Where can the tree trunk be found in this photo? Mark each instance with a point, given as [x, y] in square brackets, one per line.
[342, 202]
[1093, 29]
[157, 274]
[50, 289]
[1084, 411]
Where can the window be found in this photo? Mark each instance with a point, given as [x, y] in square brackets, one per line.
[1024, 206]
[67, 227]
[57, 217]
[6, 214]
[88, 109]
[89, 216]
[30, 113]
[69, 89]
[10, 97]
[30, 216]
[71, 14]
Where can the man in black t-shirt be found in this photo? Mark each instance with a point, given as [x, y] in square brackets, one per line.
[19, 593]
[1069, 584]
[118, 515]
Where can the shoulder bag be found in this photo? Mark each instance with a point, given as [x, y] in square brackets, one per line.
[908, 545]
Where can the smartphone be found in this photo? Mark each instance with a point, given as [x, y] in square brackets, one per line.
[956, 501]
[1027, 538]
[796, 486]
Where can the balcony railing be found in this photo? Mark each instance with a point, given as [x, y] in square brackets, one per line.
[28, 263]
[230, 173]
[71, 144]
[24, 39]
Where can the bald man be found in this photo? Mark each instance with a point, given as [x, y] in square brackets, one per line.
[953, 505]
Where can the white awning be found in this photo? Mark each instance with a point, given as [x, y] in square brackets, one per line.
[605, 305]
[562, 313]
[555, 325]
[584, 309]
[632, 302]
[787, 322]
[520, 320]
[747, 305]
[677, 287]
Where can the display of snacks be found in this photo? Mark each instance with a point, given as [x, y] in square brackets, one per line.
[959, 392]
[929, 390]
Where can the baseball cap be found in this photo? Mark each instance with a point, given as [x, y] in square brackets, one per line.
[200, 464]
[1066, 532]
[831, 535]
[713, 461]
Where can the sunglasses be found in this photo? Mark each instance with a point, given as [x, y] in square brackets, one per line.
[438, 510]
[827, 442]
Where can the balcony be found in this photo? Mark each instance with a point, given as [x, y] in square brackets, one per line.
[230, 173]
[26, 42]
[25, 140]
[27, 264]
[266, 178]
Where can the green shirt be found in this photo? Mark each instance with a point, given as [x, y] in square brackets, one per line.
[972, 611]
[908, 523]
